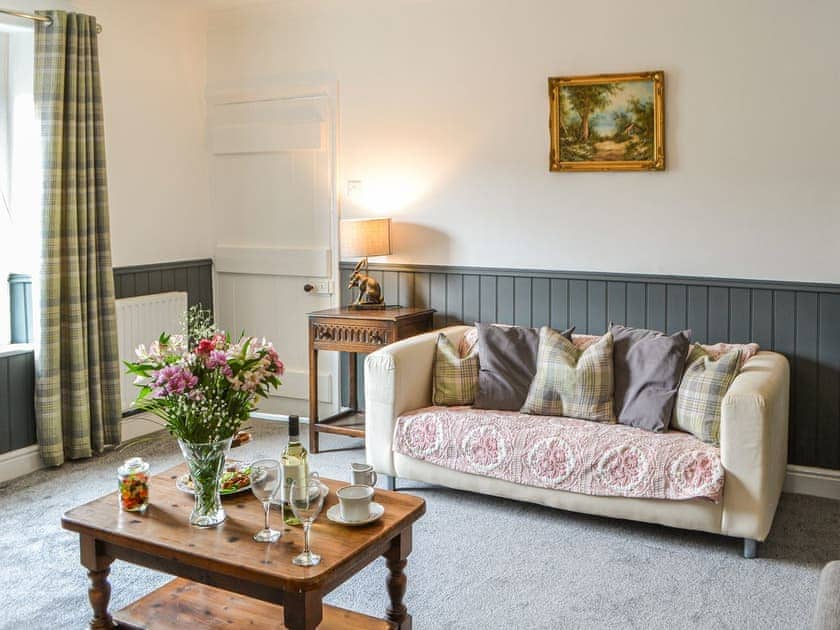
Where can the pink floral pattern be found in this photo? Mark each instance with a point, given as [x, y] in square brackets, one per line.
[563, 453]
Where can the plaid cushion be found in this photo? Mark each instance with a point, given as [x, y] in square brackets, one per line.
[571, 382]
[701, 392]
[454, 379]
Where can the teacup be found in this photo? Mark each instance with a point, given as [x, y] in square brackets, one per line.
[354, 502]
[363, 474]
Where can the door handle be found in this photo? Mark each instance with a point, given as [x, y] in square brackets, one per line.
[308, 287]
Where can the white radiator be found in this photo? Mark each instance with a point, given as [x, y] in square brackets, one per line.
[141, 320]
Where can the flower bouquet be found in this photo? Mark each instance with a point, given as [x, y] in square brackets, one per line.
[204, 386]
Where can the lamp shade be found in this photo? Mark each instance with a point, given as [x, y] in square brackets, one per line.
[365, 237]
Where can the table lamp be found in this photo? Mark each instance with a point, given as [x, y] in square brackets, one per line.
[364, 238]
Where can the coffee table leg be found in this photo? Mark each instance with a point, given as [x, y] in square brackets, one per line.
[395, 559]
[99, 591]
[302, 611]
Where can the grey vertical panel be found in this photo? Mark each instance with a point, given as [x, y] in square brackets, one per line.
[698, 313]
[596, 309]
[559, 304]
[141, 283]
[784, 322]
[522, 301]
[193, 285]
[6, 396]
[360, 380]
[578, 302]
[454, 298]
[739, 316]
[207, 286]
[118, 286]
[167, 280]
[487, 299]
[406, 288]
[437, 298]
[472, 296]
[345, 295]
[761, 323]
[805, 403]
[504, 300]
[422, 290]
[390, 287]
[657, 306]
[22, 389]
[155, 281]
[540, 302]
[636, 305]
[676, 318]
[718, 314]
[616, 302]
[127, 286]
[181, 283]
[828, 428]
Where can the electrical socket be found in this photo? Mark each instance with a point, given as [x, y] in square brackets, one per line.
[323, 287]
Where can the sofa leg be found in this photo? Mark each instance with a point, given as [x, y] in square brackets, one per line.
[750, 548]
[390, 482]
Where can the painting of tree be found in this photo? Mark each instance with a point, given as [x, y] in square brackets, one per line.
[609, 120]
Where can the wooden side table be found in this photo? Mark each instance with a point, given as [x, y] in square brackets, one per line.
[352, 331]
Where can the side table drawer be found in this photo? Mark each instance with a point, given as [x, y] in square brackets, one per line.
[361, 336]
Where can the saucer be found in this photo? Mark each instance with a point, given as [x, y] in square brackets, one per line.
[376, 512]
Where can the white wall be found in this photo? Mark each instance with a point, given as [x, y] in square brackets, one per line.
[443, 115]
[153, 63]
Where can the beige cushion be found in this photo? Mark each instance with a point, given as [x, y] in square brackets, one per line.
[454, 379]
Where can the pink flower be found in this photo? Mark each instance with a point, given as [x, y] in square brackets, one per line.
[174, 379]
[205, 346]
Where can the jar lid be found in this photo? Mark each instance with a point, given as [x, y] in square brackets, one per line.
[133, 465]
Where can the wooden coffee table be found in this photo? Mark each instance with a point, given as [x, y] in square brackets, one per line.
[228, 580]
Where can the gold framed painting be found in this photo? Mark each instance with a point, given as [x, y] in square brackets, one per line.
[607, 122]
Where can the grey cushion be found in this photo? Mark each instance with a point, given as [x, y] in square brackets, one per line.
[648, 366]
[507, 357]
[827, 610]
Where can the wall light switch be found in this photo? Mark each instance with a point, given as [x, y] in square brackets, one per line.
[354, 188]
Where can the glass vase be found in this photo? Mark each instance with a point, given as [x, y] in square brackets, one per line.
[206, 463]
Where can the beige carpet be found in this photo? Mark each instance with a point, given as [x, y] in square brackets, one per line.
[478, 562]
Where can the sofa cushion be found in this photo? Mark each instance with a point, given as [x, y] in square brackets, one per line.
[704, 384]
[507, 362]
[454, 379]
[648, 366]
[562, 453]
[570, 382]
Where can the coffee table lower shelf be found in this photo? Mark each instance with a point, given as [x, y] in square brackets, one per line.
[186, 604]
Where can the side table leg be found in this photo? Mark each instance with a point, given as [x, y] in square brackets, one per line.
[396, 559]
[313, 391]
[99, 591]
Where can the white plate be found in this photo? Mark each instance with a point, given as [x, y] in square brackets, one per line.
[184, 484]
[376, 512]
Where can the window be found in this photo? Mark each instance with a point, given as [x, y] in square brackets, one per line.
[20, 166]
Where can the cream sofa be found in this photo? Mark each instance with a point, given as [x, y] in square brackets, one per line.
[754, 431]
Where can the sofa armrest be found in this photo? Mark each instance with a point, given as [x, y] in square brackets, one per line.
[827, 608]
[753, 445]
[398, 378]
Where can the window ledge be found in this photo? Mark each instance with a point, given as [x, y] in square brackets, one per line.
[12, 349]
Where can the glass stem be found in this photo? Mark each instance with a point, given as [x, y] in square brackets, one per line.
[306, 526]
[266, 507]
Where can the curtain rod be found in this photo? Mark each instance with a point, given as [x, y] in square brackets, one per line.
[37, 18]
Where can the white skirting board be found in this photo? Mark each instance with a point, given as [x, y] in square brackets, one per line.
[819, 482]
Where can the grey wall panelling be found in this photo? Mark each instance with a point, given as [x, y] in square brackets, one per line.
[800, 320]
[193, 276]
[17, 399]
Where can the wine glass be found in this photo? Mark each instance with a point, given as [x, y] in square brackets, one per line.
[266, 478]
[306, 500]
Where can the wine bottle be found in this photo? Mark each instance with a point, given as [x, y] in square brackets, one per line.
[295, 467]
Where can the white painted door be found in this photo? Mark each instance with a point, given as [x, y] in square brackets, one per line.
[273, 201]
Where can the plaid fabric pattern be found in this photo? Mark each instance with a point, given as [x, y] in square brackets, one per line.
[703, 386]
[77, 398]
[570, 382]
[454, 379]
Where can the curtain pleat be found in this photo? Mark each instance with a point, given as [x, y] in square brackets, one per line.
[77, 397]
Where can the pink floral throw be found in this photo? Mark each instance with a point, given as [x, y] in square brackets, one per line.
[563, 453]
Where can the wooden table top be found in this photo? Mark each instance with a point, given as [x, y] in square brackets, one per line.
[389, 313]
[229, 548]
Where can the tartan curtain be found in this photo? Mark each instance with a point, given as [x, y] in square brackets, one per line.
[77, 398]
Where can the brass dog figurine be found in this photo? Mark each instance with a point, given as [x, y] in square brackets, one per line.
[370, 293]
